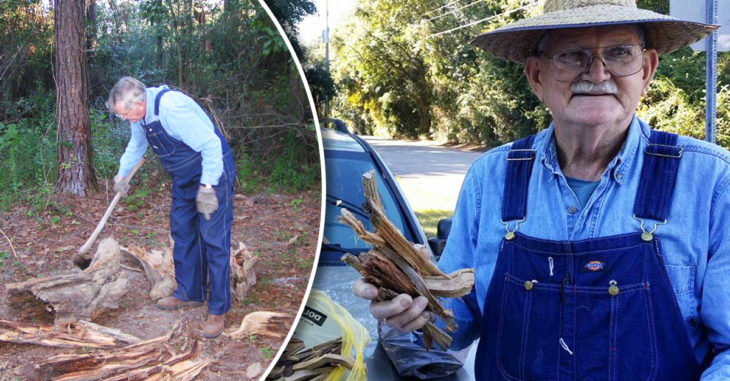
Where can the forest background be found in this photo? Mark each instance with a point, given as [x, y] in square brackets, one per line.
[226, 54]
[394, 73]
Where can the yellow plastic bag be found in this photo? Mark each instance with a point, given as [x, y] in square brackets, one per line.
[323, 320]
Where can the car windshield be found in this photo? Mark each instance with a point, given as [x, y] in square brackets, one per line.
[344, 190]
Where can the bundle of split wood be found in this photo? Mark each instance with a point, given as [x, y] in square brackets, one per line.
[153, 359]
[395, 266]
[312, 364]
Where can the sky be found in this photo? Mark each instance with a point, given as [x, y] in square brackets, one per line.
[310, 29]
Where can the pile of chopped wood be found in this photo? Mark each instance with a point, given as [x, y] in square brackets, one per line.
[153, 359]
[396, 266]
[76, 296]
[312, 364]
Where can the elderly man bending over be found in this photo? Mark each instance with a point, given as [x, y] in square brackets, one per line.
[198, 159]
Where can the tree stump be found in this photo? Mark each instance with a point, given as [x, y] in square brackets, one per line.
[159, 267]
[76, 294]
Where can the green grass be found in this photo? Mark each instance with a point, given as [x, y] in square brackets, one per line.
[430, 205]
[429, 219]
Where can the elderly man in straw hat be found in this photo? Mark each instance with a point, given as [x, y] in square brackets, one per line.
[601, 247]
[200, 163]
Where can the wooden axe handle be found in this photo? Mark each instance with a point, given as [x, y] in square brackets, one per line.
[85, 249]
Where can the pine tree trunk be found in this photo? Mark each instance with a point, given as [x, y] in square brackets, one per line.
[75, 170]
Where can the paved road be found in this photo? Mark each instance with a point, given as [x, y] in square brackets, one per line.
[430, 174]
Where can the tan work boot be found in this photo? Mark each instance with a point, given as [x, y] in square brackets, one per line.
[213, 326]
[173, 303]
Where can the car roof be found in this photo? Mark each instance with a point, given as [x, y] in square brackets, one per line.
[340, 141]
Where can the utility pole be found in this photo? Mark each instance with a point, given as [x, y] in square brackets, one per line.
[711, 75]
[326, 37]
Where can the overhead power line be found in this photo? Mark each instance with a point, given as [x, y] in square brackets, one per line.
[454, 10]
[441, 7]
[484, 19]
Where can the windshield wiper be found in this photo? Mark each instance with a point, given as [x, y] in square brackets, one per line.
[338, 248]
[346, 204]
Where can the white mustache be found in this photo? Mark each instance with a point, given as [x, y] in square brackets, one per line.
[585, 87]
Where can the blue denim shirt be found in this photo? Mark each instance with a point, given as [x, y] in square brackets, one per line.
[695, 242]
[183, 119]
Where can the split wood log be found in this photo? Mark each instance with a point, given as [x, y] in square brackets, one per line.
[75, 335]
[265, 323]
[184, 366]
[159, 267]
[315, 363]
[80, 295]
[147, 360]
[243, 274]
[326, 359]
[396, 265]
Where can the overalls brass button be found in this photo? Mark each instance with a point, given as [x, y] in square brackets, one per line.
[528, 285]
[646, 236]
[509, 235]
[612, 289]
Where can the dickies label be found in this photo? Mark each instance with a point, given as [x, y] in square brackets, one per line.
[594, 266]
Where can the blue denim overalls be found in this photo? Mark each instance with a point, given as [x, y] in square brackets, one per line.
[598, 309]
[202, 247]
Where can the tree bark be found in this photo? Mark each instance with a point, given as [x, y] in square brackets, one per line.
[75, 169]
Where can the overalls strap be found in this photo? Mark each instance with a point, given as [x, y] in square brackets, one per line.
[157, 101]
[519, 168]
[658, 176]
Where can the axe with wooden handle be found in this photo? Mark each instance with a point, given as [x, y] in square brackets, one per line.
[85, 248]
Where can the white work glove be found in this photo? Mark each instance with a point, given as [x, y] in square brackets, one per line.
[121, 184]
[207, 201]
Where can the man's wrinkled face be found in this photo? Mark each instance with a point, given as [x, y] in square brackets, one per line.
[134, 114]
[608, 90]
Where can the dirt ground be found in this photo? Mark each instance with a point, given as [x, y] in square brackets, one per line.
[281, 229]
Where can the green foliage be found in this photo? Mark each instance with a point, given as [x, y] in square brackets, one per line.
[227, 55]
[295, 204]
[267, 352]
[26, 43]
[27, 147]
[393, 74]
[320, 82]
[675, 100]
[287, 169]
[289, 13]
[396, 77]
[136, 200]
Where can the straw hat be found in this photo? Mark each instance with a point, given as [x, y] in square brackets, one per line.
[518, 40]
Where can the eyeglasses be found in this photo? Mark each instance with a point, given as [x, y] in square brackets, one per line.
[123, 116]
[620, 60]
